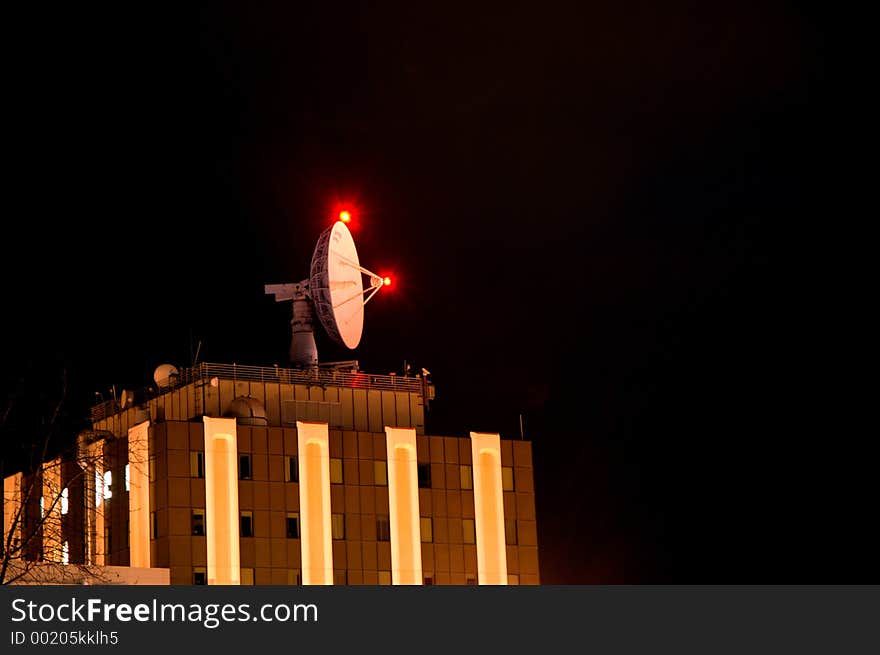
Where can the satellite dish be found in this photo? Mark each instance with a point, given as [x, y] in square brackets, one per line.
[334, 291]
[163, 375]
[126, 398]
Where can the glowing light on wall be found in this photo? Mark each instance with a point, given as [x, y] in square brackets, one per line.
[489, 509]
[65, 501]
[137, 481]
[403, 502]
[50, 511]
[95, 500]
[313, 444]
[11, 504]
[221, 501]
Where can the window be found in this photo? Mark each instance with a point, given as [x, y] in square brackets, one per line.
[335, 470]
[293, 525]
[64, 501]
[198, 522]
[507, 478]
[108, 485]
[340, 578]
[424, 476]
[244, 467]
[470, 580]
[429, 580]
[197, 465]
[338, 525]
[512, 579]
[151, 464]
[467, 477]
[127, 478]
[247, 576]
[42, 506]
[383, 529]
[200, 575]
[385, 577]
[65, 553]
[380, 472]
[291, 470]
[468, 531]
[294, 577]
[427, 529]
[510, 531]
[247, 524]
[154, 526]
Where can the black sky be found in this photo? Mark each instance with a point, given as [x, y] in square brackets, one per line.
[594, 214]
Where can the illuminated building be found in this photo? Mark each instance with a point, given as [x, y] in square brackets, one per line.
[230, 474]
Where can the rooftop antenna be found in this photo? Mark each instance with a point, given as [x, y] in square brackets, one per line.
[334, 291]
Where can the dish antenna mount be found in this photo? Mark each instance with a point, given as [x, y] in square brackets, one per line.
[334, 292]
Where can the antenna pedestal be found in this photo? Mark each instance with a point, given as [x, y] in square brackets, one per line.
[303, 351]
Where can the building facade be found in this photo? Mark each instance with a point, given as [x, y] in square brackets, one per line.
[251, 475]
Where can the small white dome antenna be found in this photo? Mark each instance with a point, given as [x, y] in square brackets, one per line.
[334, 291]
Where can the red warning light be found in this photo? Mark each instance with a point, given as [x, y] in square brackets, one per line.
[345, 216]
[386, 281]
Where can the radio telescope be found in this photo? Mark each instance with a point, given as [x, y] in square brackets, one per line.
[334, 291]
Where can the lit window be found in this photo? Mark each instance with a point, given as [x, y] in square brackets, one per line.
[293, 525]
[65, 553]
[127, 478]
[294, 577]
[247, 524]
[507, 478]
[64, 501]
[291, 471]
[467, 477]
[42, 507]
[338, 525]
[512, 579]
[510, 531]
[468, 531]
[424, 476]
[383, 529]
[244, 467]
[335, 470]
[198, 522]
[380, 472]
[197, 465]
[385, 577]
[108, 485]
[247, 576]
[426, 528]
[200, 575]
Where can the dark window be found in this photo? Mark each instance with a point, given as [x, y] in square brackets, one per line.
[247, 524]
[197, 464]
[244, 467]
[293, 526]
[291, 474]
[154, 525]
[429, 581]
[424, 476]
[471, 581]
[200, 577]
[383, 529]
[198, 523]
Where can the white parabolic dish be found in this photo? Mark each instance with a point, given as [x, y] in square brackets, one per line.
[336, 285]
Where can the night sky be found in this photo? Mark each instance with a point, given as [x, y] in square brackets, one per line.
[595, 215]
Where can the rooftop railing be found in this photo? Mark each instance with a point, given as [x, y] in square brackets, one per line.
[206, 371]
